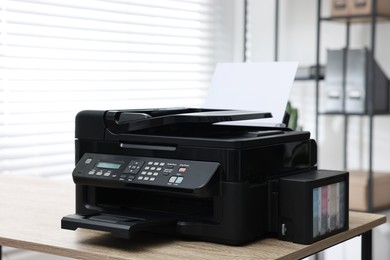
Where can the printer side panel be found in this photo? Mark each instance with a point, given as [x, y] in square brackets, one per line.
[270, 162]
[90, 126]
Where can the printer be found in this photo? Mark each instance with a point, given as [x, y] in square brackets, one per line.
[180, 172]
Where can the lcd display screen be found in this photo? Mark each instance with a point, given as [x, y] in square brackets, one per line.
[108, 165]
[329, 204]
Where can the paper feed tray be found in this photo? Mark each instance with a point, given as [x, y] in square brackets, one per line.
[119, 225]
[130, 121]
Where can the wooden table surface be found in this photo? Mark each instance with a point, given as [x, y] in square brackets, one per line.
[30, 218]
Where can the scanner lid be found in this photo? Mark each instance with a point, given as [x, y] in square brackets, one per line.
[181, 126]
[126, 121]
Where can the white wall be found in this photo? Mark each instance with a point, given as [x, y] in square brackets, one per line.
[231, 31]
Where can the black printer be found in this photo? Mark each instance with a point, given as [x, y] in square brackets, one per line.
[180, 172]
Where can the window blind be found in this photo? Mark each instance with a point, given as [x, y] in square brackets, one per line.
[59, 57]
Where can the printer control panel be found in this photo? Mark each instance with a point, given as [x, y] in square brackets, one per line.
[125, 171]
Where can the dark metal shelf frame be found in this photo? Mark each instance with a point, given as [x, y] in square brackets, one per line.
[373, 18]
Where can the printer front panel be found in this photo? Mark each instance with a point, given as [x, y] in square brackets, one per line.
[218, 215]
[235, 212]
[111, 182]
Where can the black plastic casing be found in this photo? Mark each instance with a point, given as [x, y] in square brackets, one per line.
[238, 208]
[298, 216]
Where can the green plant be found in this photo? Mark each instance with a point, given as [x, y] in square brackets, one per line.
[293, 112]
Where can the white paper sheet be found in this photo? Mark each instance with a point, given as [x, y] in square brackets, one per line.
[261, 87]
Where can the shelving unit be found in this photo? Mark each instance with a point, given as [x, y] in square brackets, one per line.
[372, 18]
[348, 21]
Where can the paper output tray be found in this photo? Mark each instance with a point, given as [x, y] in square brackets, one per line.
[119, 226]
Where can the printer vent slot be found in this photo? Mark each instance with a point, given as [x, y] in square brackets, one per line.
[149, 147]
[136, 200]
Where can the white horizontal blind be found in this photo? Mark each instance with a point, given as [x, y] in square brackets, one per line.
[59, 57]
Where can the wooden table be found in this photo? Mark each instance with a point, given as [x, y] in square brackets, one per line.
[30, 218]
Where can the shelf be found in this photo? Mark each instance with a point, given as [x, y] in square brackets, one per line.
[353, 114]
[371, 19]
[309, 73]
[367, 18]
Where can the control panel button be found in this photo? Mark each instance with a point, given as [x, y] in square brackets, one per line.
[152, 179]
[134, 167]
[140, 178]
[99, 173]
[172, 179]
[182, 169]
[143, 173]
[88, 161]
[155, 174]
[91, 172]
[179, 180]
[150, 163]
